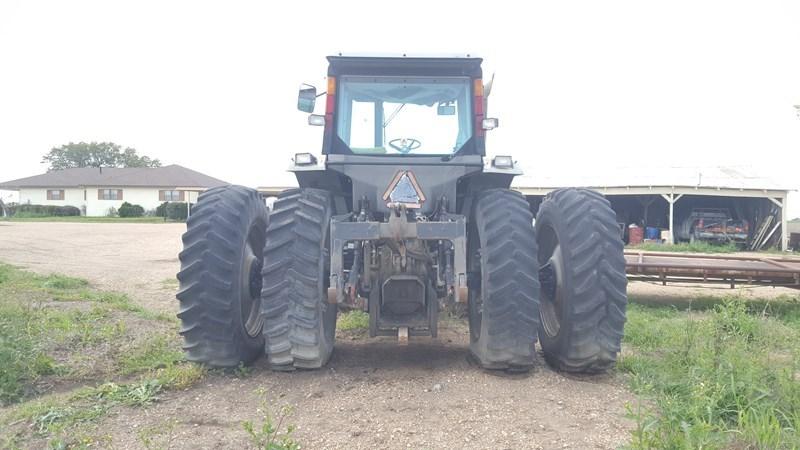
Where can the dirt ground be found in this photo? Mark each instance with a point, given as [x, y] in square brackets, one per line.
[373, 394]
[133, 258]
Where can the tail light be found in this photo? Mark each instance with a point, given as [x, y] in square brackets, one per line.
[700, 223]
[330, 105]
[478, 106]
[746, 226]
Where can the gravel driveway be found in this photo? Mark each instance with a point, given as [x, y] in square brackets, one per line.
[133, 258]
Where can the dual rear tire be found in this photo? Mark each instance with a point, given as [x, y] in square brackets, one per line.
[563, 280]
[250, 285]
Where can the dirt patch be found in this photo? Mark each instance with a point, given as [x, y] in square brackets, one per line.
[373, 394]
[654, 291]
[124, 257]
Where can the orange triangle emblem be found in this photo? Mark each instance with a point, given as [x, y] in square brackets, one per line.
[404, 190]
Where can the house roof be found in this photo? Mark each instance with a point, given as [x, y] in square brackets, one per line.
[167, 176]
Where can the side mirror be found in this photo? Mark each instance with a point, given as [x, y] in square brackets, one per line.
[306, 98]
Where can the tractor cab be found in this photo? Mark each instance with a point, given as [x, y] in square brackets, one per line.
[401, 105]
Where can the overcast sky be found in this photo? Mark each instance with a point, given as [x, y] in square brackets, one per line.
[579, 84]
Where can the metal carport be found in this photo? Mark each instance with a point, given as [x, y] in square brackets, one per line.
[672, 184]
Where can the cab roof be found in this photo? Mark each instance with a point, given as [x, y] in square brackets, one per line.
[405, 64]
[404, 55]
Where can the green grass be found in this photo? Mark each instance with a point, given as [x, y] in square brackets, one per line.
[727, 376]
[88, 404]
[85, 219]
[695, 247]
[114, 300]
[28, 329]
[353, 321]
[170, 283]
[61, 417]
[39, 338]
[53, 327]
[157, 352]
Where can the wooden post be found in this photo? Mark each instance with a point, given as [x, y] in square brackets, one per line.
[672, 219]
[671, 199]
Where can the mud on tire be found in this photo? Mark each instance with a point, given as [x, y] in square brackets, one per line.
[582, 273]
[503, 281]
[299, 323]
[220, 279]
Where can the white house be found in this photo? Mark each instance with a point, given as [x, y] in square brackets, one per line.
[95, 190]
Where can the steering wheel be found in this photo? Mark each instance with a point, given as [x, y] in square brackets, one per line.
[405, 144]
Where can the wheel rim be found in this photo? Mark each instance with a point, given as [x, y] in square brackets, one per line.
[551, 267]
[250, 282]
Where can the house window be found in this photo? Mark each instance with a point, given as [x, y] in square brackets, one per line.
[109, 194]
[170, 196]
[55, 194]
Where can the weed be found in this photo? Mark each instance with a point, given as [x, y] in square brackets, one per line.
[715, 379]
[353, 321]
[268, 435]
[157, 352]
[242, 371]
[170, 283]
[88, 404]
[158, 436]
[54, 281]
[180, 376]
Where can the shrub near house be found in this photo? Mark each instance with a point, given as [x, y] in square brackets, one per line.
[42, 211]
[177, 211]
[128, 210]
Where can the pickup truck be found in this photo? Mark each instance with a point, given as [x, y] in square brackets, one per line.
[712, 225]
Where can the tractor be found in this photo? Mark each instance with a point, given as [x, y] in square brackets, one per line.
[401, 215]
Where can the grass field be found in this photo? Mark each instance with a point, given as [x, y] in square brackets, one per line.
[714, 375]
[85, 219]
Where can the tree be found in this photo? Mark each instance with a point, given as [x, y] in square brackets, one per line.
[95, 154]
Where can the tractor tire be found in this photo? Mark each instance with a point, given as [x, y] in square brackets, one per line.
[220, 277]
[299, 323]
[582, 274]
[503, 299]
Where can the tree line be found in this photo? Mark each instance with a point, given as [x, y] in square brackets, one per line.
[96, 154]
